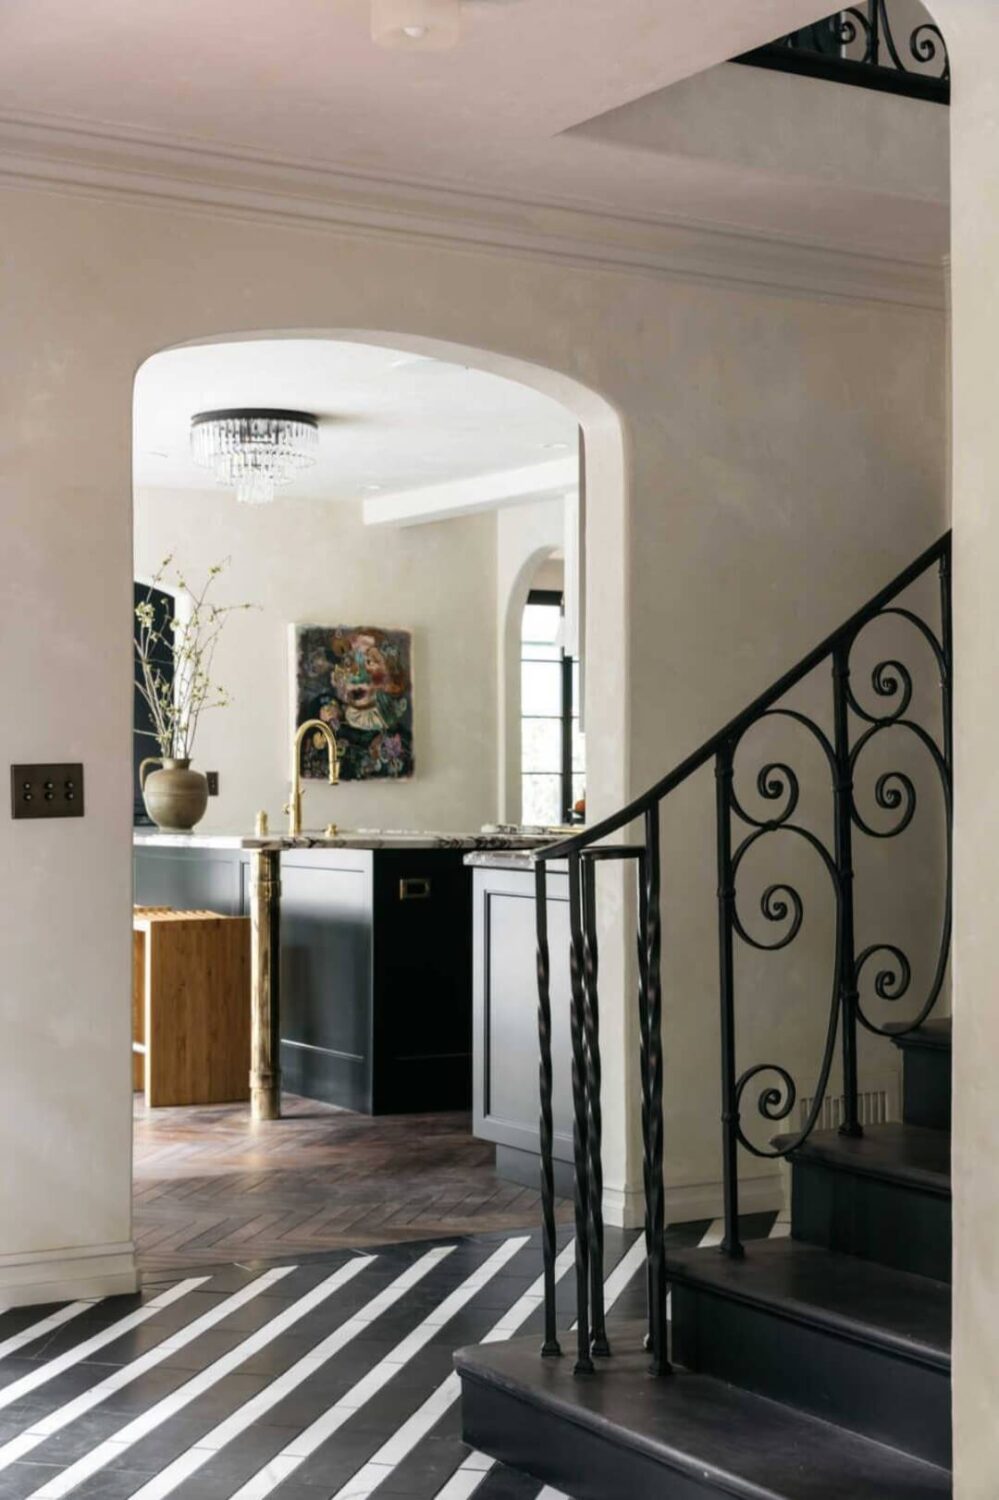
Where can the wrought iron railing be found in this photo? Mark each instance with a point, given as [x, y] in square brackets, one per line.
[868, 45]
[906, 695]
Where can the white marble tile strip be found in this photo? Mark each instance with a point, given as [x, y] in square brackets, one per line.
[713, 1235]
[45, 1325]
[82, 1351]
[162, 1410]
[274, 1473]
[402, 1442]
[467, 1478]
[252, 1411]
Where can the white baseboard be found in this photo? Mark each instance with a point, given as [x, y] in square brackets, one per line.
[700, 1200]
[68, 1275]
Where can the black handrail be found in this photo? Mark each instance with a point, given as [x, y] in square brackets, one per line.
[735, 727]
[778, 787]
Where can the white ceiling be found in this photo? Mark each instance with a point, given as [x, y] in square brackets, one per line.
[242, 82]
[389, 420]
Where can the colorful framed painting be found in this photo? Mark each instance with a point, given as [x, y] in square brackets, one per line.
[359, 680]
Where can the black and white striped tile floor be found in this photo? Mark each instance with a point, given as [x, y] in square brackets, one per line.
[329, 1379]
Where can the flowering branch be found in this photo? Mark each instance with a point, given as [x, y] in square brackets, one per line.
[176, 657]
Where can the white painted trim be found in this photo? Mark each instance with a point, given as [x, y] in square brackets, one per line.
[68, 1275]
[467, 497]
[66, 156]
[700, 1200]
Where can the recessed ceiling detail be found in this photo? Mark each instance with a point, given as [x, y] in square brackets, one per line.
[389, 420]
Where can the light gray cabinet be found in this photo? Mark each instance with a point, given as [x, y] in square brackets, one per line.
[505, 1020]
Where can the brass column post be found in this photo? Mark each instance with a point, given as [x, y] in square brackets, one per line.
[265, 1036]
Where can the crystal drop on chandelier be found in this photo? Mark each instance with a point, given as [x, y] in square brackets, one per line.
[254, 450]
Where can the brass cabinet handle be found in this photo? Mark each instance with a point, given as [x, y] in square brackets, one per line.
[414, 888]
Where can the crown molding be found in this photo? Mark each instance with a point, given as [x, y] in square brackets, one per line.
[178, 175]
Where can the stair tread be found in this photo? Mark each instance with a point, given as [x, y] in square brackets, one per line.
[911, 1154]
[854, 1298]
[746, 1446]
[936, 1033]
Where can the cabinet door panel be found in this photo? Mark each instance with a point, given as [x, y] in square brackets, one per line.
[326, 958]
[507, 1102]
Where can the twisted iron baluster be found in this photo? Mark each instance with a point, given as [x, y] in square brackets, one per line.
[551, 1344]
[657, 1188]
[846, 958]
[731, 1243]
[594, 1115]
[584, 1363]
[643, 1031]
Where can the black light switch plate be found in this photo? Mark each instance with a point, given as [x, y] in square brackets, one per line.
[47, 791]
[212, 777]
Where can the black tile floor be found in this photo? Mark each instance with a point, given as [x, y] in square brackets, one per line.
[326, 1379]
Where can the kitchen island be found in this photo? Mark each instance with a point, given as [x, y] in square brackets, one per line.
[362, 956]
[505, 1089]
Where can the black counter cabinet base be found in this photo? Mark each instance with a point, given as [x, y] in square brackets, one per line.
[376, 966]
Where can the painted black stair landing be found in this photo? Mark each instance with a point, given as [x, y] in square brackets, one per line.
[832, 1335]
[622, 1435]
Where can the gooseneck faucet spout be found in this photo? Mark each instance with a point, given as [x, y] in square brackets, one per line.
[314, 727]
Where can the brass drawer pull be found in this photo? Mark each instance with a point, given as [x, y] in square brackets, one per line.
[414, 888]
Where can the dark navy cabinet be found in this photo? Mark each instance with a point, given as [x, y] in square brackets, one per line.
[376, 966]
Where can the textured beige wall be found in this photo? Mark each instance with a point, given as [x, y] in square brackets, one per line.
[972, 28]
[756, 463]
[315, 562]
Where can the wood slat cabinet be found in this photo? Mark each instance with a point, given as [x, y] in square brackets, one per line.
[190, 1006]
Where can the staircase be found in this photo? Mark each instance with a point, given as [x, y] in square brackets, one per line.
[814, 1367]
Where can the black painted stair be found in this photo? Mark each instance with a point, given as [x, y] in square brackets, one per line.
[926, 1089]
[884, 1196]
[621, 1435]
[853, 1343]
[814, 1368]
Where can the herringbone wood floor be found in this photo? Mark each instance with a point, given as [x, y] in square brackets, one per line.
[210, 1186]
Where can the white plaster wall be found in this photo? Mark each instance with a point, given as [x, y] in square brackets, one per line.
[315, 562]
[757, 463]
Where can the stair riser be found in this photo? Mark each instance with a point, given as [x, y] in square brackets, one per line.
[926, 1087]
[870, 1390]
[896, 1224]
[572, 1458]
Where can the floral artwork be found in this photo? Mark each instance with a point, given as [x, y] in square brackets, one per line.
[358, 680]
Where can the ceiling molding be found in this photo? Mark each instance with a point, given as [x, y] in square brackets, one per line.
[468, 497]
[177, 175]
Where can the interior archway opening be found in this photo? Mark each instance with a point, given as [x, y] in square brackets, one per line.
[371, 593]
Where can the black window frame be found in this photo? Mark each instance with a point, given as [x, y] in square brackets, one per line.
[552, 597]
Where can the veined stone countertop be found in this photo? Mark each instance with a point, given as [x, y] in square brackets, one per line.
[505, 857]
[348, 838]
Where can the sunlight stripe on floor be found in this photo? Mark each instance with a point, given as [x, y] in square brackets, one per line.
[162, 1410]
[252, 1411]
[274, 1473]
[80, 1352]
[45, 1325]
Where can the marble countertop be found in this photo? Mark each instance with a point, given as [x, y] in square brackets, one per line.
[505, 857]
[496, 841]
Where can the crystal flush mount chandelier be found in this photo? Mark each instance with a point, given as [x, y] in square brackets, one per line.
[254, 449]
[416, 25]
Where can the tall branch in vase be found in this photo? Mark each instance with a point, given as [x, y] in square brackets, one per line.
[186, 637]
